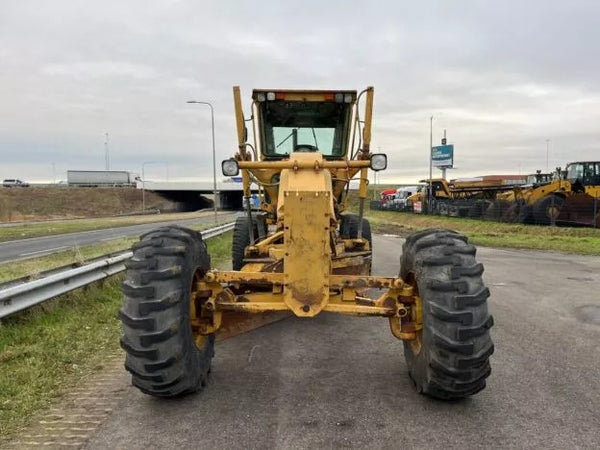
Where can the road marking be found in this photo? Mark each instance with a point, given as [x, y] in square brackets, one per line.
[45, 251]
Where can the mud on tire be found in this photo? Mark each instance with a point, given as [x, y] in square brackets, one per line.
[455, 345]
[162, 354]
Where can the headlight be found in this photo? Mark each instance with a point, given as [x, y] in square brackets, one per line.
[261, 97]
[378, 161]
[230, 168]
[270, 96]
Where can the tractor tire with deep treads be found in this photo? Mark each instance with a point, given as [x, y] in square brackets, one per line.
[349, 228]
[450, 359]
[477, 210]
[496, 210]
[547, 209]
[241, 238]
[162, 354]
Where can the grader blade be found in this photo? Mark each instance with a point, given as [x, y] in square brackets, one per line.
[235, 323]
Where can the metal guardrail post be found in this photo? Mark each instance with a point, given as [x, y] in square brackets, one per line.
[17, 297]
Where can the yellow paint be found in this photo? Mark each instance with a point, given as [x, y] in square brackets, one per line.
[303, 265]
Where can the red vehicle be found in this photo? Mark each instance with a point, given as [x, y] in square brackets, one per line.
[386, 197]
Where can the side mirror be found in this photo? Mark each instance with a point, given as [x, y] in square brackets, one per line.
[230, 167]
[378, 161]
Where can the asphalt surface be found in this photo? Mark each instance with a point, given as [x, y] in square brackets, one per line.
[337, 381]
[40, 246]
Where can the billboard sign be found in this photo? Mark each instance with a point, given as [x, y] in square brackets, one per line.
[442, 156]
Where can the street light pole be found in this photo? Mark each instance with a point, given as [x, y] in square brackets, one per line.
[429, 196]
[106, 157]
[144, 185]
[212, 122]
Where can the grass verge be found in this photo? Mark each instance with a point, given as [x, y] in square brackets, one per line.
[493, 234]
[46, 350]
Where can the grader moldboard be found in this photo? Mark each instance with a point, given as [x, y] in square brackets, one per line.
[301, 253]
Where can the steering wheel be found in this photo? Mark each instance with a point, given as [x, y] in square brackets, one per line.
[305, 148]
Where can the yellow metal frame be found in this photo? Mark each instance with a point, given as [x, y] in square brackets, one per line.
[304, 265]
[264, 292]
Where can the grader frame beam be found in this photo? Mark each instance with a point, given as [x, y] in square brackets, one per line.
[263, 292]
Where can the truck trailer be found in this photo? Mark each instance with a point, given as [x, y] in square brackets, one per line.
[101, 178]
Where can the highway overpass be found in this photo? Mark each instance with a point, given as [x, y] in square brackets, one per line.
[193, 195]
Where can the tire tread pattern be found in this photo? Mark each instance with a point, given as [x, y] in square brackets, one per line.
[161, 352]
[453, 361]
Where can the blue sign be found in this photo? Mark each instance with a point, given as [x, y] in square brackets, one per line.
[442, 156]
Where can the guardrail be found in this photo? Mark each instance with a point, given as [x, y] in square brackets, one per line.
[22, 294]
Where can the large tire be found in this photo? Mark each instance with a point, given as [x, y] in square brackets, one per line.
[241, 238]
[496, 210]
[349, 228]
[455, 345]
[512, 212]
[162, 354]
[547, 209]
[477, 210]
[525, 214]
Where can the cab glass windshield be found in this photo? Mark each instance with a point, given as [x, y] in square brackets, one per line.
[587, 173]
[296, 126]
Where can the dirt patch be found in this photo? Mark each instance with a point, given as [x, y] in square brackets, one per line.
[387, 228]
[67, 203]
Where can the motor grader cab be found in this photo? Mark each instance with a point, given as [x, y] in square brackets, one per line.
[302, 253]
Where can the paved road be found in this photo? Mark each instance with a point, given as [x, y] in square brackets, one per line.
[34, 247]
[337, 381]
[341, 382]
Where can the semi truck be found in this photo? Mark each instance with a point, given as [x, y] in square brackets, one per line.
[101, 178]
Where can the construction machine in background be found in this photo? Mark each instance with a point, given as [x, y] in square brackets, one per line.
[304, 253]
[463, 197]
[571, 197]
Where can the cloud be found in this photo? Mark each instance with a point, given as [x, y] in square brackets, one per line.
[500, 77]
[99, 69]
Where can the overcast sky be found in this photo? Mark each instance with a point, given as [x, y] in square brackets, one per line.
[501, 76]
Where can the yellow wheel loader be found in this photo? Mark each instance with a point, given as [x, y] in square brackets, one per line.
[303, 254]
[572, 197]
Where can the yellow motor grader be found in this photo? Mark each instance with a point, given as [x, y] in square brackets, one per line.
[302, 253]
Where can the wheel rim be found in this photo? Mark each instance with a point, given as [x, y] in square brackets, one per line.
[196, 303]
[553, 212]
